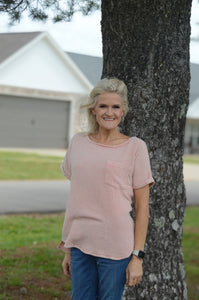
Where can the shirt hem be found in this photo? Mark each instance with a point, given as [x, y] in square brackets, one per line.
[150, 181]
[63, 248]
[97, 254]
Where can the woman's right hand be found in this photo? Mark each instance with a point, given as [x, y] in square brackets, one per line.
[66, 264]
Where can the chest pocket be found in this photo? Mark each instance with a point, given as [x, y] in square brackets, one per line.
[118, 174]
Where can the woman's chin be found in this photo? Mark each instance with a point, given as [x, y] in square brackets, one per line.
[109, 127]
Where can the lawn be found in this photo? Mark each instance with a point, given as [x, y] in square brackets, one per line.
[29, 258]
[26, 166]
[190, 244]
[191, 159]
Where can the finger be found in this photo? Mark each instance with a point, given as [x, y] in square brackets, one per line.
[65, 269]
[68, 270]
[127, 278]
[133, 280]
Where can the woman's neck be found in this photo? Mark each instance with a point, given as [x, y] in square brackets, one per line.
[108, 136]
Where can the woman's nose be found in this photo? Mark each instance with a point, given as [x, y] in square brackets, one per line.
[109, 111]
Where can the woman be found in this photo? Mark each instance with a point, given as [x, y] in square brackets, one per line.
[103, 248]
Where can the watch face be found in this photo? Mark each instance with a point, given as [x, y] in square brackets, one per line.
[141, 254]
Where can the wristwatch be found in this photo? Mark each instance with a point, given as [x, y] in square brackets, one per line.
[139, 253]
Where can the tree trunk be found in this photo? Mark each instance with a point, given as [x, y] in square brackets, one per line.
[146, 44]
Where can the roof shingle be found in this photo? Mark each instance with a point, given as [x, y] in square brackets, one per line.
[91, 66]
[11, 42]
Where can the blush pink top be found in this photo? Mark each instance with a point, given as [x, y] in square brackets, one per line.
[103, 177]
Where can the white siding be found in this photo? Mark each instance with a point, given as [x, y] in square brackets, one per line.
[41, 67]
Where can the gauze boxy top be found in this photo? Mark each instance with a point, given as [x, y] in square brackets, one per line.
[103, 177]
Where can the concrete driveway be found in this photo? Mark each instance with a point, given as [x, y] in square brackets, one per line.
[51, 196]
[33, 196]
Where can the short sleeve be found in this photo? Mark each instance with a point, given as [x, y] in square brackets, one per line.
[65, 166]
[142, 169]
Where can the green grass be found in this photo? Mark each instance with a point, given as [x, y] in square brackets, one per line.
[28, 230]
[26, 166]
[190, 245]
[28, 256]
[191, 159]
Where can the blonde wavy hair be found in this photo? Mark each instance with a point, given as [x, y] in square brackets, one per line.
[112, 85]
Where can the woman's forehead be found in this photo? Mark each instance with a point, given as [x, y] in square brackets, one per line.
[109, 97]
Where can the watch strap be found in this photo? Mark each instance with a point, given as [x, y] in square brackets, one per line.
[139, 253]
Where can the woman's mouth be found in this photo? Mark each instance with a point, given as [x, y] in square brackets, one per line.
[108, 119]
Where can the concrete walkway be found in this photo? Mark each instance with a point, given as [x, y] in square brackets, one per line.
[191, 172]
[51, 196]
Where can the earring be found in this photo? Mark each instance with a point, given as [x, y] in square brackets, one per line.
[122, 120]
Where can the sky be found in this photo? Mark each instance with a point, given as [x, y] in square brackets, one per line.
[83, 34]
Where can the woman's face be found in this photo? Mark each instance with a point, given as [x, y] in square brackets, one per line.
[108, 110]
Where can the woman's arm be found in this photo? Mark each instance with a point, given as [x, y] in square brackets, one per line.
[134, 269]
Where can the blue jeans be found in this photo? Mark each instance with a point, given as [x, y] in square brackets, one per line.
[97, 278]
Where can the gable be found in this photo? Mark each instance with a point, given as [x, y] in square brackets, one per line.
[41, 65]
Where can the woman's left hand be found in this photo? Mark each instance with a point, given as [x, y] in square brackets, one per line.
[134, 271]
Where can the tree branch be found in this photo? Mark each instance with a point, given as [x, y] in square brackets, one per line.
[40, 9]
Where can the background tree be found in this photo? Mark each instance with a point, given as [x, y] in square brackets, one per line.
[146, 44]
[41, 10]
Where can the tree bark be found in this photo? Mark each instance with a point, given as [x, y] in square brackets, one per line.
[146, 44]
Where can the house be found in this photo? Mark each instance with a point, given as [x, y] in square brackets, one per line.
[192, 121]
[192, 128]
[41, 89]
[194, 83]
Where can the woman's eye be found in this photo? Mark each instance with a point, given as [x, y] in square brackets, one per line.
[103, 106]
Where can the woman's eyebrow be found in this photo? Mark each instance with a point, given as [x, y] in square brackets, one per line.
[110, 105]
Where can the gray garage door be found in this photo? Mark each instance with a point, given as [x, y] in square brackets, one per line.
[32, 122]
